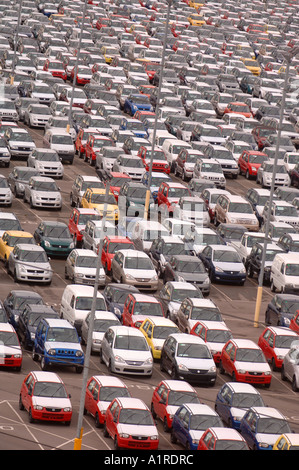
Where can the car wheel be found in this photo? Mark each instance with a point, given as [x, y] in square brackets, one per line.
[173, 439]
[221, 369]
[97, 421]
[31, 420]
[34, 355]
[249, 271]
[79, 369]
[295, 388]
[166, 428]
[247, 175]
[273, 364]
[272, 287]
[21, 406]
[105, 432]
[282, 373]
[173, 373]
[116, 446]
[43, 364]
[153, 411]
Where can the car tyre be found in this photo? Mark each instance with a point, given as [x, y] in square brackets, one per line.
[43, 364]
[173, 439]
[105, 432]
[21, 406]
[295, 388]
[31, 420]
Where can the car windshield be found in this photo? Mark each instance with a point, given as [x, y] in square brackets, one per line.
[206, 313]
[57, 232]
[289, 306]
[101, 326]
[162, 332]
[226, 256]
[241, 207]
[257, 158]
[85, 303]
[292, 269]
[269, 425]
[91, 184]
[247, 400]
[137, 262]
[101, 199]
[178, 295]
[136, 417]
[62, 140]
[130, 343]
[34, 318]
[270, 254]
[173, 248]
[62, 335]
[109, 393]
[44, 186]
[8, 338]
[21, 137]
[149, 235]
[47, 157]
[218, 336]
[136, 192]
[230, 445]
[289, 211]
[9, 224]
[148, 308]
[118, 296]
[178, 192]
[50, 389]
[86, 262]
[283, 341]
[195, 351]
[190, 267]
[83, 218]
[179, 397]
[33, 256]
[211, 168]
[250, 355]
[12, 241]
[202, 422]
[132, 163]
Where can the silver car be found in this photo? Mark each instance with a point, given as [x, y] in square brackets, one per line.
[124, 350]
[80, 267]
[46, 162]
[91, 235]
[43, 192]
[29, 263]
[80, 184]
[6, 196]
[37, 115]
[290, 366]
[135, 268]
[102, 321]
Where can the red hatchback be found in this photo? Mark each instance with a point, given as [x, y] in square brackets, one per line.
[10, 349]
[294, 323]
[44, 396]
[159, 159]
[93, 145]
[138, 307]
[245, 362]
[100, 391]
[275, 342]
[250, 161]
[130, 424]
[222, 439]
[170, 193]
[110, 246]
[168, 396]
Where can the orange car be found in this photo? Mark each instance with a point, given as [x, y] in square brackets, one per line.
[237, 107]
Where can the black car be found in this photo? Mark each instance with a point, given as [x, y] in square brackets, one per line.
[162, 249]
[29, 319]
[115, 296]
[267, 110]
[231, 232]
[253, 263]
[281, 309]
[198, 185]
[15, 303]
[289, 242]
[187, 268]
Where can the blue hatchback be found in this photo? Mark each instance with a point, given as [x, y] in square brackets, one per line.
[137, 102]
[223, 264]
[234, 399]
[190, 422]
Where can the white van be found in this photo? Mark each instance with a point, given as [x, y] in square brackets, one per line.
[61, 141]
[76, 303]
[284, 275]
[172, 148]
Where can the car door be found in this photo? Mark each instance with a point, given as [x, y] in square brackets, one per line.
[112, 418]
[26, 391]
[168, 353]
[90, 397]
[227, 356]
[266, 342]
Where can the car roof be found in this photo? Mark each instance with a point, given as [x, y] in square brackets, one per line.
[239, 387]
[46, 376]
[59, 323]
[180, 385]
[160, 321]
[226, 433]
[145, 298]
[109, 381]
[6, 327]
[129, 402]
[282, 331]
[267, 411]
[200, 408]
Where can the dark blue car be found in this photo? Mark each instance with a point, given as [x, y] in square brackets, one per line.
[223, 264]
[137, 102]
[16, 301]
[281, 309]
[233, 400]
[115, 296]
[190, 422]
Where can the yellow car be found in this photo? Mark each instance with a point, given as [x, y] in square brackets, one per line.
[109, 52]
[253, 66]
[94, 198]
[194, 4]
[196, 20]
[156, 330]
[287, 442]
[10, 238]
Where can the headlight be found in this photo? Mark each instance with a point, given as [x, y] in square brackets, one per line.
[130, 277]
[117, 312]
[154, 438]
[218, 270]
[38, 407]
[124, 435]
[47, 244]
[119, 359]
[67, 409]
[212, 369]
[264, 445]
[181, 279]
[79, 353]
[241, 371]
[183, 367]
[52, 352]
[154, 278]
[243, 271]
[17, 356]
[149, 361]
[72, 245]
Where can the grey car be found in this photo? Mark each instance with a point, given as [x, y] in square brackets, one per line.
[290, 366]
[19, 178]
[80, 267]
[79, 186]
[91, 235]
[42, 192]
[46, 162]
[102, 321]
[29, 263]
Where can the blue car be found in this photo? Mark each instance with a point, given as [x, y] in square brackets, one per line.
[190, 422]
[133, 125]
[57, 342]
[223, 264]
[137, 102]
[233, 400]
[261, 426]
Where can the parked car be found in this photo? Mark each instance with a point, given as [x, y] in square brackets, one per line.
[46, 162]
[43, 192]
[187, 268]
[11, 350]
[290, 366]
[218, 438]
[29, 263]
[102, 321]
[134, 267]
[275, 343]
[29, 319]
[54, 237]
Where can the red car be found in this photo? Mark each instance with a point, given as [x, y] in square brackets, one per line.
[94, 145]
[10, 348]
[237, 107]
[83, 75]
[250, 161]
[146, 90]
[100, 391]
[116, 181]
[168, 396]
[44, 396]
[244, 361]
[261, 134]
[138, 307]
[56, 68]
[110, 246]
[294, 323]
[82, 138]
[222, 439]
[169, 195]
[78, 220]
[275, 342]
[130, 424]
[151, 69]
[141, 115]
[159, 159]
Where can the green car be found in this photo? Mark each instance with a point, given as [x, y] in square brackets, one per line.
[55, 238]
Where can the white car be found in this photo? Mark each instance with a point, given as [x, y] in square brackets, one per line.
[42, 191]
[61, 141]
[46, 162]
[210, 169]
[6, 195]
[265, 174]
[29, 263]
[37, 115]
[102, 321]
[124, 350]
[130, 165]
[244, 246]
[192, 209]
[10, 348]
[81, 266]
[19, 142]
[8, 109]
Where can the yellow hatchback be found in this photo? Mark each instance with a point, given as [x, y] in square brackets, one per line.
[156, 330]
[94, 198]
[253, 66]
[287, 442]
[196, 20]
[10, 238]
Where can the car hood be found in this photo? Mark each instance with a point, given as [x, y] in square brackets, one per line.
[229, 266]
[269, 439]
[127, 355]
[20, 143]
[58, 241]
[191, 277]
[193, 363]
[51, 402]
[48, 194]
[9, 350]
[62, 345]
[139, 430]
[253, 367]
[141, 273]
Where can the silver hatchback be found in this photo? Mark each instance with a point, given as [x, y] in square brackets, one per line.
[29, 263]
[42, 192]
[290, 366]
